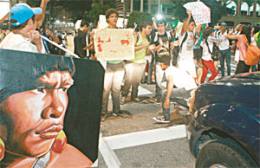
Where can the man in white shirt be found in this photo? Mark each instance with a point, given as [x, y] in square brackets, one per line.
[167, 77]
[225, 53]
[24, 36]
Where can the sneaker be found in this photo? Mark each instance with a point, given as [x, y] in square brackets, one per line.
[161, 120]
[136, 99]
[115, 114]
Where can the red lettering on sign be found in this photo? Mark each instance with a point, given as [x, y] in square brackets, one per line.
[125, 42]
[99, 40]
[99, 48]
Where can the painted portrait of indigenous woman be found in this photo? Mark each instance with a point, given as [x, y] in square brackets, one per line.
[33, 103]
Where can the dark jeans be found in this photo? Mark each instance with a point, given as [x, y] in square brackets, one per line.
[242, 67]
[158, 90]
[225, 55]
[177, 94]
[166, 111]
[150, 69]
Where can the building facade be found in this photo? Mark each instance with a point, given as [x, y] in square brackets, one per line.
[243, 12]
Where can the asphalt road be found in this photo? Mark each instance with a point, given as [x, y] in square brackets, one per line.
[167, 154]
[135, 141]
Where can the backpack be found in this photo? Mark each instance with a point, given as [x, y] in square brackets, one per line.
[252, 55]
[169, 36]
[215, 51]
[197, 49]
[183, 40]
[165, 50]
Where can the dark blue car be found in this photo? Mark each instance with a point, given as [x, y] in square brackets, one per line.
[225, 126]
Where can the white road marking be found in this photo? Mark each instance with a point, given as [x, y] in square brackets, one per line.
[146, 137]
[108, 154]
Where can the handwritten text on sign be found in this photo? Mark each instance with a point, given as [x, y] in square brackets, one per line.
[200, 12]
[114, 44]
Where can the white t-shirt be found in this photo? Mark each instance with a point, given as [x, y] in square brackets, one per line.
[17, 42]
[223, 42]
[181, 79]
[187, 46]
[206, 55]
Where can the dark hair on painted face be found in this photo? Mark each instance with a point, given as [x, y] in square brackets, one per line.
[28, 68]
[110, 12]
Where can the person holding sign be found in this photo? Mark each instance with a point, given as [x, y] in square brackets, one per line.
[114, 73]
[187, 41]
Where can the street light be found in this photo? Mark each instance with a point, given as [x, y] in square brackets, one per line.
[159, 16]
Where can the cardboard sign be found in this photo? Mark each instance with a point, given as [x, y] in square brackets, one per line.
[114, 44]
[4, 8]
[200, 12]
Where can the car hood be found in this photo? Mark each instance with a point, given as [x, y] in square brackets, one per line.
[243, 89]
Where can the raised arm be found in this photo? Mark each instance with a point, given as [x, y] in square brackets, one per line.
[40, 18]
[186, 23]
[168, 92]
[232, 36]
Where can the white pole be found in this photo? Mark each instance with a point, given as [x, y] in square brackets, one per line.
[60, 47]
[141, 5]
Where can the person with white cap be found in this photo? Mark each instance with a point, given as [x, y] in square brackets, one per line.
[24, 36]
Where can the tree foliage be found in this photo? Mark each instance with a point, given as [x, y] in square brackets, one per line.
[97, 8]
[138, 18]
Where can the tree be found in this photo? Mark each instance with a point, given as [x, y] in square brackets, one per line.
[217, 10]
[180, 11]
[97, 8]
[138, 18]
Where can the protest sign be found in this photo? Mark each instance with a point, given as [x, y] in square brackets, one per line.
[75, 86]
[114, 44]
[4, 9]
[200, 12]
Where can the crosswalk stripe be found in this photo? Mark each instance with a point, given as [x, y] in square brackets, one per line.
[146, 137]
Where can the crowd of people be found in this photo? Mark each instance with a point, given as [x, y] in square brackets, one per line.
[34, 98]
[163, 56]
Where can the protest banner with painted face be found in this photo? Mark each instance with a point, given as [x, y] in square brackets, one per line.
[49, 110]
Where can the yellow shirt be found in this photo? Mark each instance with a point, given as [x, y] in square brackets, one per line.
[140, 54]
